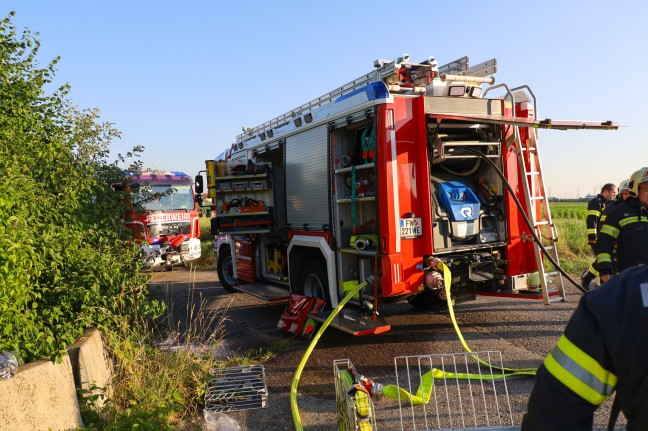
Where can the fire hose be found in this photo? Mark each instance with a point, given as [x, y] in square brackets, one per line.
[293, 389]
[424, 391]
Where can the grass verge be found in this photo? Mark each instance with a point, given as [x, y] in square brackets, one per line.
[574, 252]
[161, 369]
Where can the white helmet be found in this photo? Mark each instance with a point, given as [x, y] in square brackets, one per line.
[640, 176]
[533, 282]
[623, 186]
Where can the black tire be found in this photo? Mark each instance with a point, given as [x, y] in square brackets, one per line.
[314, 282]
[428, 301]
[225, 270]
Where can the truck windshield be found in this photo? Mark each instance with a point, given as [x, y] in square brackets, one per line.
[180, 199]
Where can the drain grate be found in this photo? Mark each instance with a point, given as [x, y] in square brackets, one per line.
[237, 388]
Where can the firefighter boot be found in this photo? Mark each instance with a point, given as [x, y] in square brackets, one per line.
[586, 279]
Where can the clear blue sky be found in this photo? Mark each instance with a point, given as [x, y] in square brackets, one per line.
[182, 77]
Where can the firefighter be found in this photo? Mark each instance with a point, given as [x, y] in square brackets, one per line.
[603, 349]
[626, 226]
[622, 194]
[595, 208]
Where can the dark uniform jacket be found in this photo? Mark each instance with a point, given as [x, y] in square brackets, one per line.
[608, 207]
[627, 226]
[604, 348]
[595, 208]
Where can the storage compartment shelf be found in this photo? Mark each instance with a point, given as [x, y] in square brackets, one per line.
[359, 252]
[235, 232]
[254, 222]
[363, 199]
[252, 189]
[242, 214]
[357, 167]
[240, 177]
[243, 203]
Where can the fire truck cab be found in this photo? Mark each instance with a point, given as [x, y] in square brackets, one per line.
[166, 224]
[378, 179]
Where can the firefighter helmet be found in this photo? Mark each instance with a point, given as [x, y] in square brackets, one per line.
[623, 186]
[640, 176]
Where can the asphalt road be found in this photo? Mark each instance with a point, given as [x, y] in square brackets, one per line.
[524, 331]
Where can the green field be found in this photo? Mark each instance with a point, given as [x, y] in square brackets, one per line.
[574, 252]
[569, 210]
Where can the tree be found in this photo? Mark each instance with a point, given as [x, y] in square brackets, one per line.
[63, 266]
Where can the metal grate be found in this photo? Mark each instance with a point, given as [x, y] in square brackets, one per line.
[455, 402]
[237, 388]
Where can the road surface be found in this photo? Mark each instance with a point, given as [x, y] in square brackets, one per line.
[524, 331]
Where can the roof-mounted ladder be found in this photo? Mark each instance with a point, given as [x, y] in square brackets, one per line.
[399, 75]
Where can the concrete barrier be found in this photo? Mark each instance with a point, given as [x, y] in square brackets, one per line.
[42, 395]
[90, 365]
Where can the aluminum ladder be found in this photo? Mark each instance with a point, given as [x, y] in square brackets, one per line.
[385, 71]
[538, 212]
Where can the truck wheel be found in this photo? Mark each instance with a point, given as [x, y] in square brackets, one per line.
[314, 282]
[225, 270]
[428, 301]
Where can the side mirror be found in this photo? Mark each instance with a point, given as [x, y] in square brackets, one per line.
[199, 184]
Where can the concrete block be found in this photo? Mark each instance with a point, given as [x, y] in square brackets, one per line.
[41, 396]
[90, 364]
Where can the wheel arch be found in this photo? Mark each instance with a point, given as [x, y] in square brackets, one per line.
[225, 243]
[303, 249]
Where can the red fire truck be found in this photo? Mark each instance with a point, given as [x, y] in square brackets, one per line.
[378, 180]
[167, 226]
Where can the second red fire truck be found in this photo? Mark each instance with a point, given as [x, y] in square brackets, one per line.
[165, 223]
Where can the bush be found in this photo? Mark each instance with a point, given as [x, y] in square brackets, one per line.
[63, 265]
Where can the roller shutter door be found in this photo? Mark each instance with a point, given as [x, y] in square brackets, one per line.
[306, 178]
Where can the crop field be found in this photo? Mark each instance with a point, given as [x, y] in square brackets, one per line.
[569, 210]
[569, 218]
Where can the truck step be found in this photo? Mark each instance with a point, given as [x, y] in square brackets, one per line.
[354, 321]
[265, 291]
[522, 294]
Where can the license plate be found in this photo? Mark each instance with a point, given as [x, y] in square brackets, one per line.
[411, 227]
